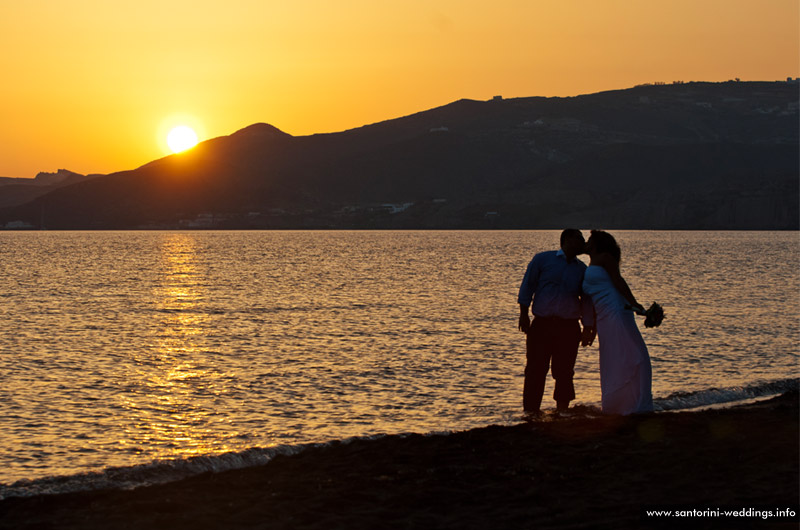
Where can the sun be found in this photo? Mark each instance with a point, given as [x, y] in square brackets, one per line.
[181, 138]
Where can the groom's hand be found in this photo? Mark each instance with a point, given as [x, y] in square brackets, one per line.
[524, 322]
[587, 336]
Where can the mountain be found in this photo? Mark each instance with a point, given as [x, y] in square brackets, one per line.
[16, 191]
[681, 156]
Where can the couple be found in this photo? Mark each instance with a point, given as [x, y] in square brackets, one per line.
[563, 290]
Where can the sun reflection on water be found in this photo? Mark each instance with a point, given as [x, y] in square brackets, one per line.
[170, 375]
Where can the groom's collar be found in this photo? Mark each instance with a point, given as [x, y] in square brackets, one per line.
[562, 254]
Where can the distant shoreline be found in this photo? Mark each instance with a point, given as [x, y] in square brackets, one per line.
[678, 156]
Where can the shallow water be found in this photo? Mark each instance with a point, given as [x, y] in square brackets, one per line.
[123, 348]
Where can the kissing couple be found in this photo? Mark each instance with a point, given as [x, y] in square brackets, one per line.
[561, 290]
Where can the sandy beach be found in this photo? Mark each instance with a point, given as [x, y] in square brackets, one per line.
[554, 473]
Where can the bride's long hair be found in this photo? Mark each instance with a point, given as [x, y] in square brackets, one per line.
[605, 242]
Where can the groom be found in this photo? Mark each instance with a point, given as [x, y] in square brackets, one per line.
[553, 281]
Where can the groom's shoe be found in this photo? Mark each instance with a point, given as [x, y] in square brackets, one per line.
[562, 405]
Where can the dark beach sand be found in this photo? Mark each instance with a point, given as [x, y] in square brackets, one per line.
[566, 473]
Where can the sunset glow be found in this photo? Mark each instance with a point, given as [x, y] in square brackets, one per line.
[79, 69]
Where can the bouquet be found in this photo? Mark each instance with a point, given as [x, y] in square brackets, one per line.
[654, 315]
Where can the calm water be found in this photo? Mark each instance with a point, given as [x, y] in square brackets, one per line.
[125, 348]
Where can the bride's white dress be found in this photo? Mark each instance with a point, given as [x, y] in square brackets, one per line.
[625, 372]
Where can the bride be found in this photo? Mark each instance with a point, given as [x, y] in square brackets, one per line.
[625, 373]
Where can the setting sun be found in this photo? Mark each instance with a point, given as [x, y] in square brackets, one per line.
[181, 138]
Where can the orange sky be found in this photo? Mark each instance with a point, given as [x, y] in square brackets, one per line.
[93, 85]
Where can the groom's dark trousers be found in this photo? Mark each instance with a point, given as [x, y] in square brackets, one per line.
[552, 343]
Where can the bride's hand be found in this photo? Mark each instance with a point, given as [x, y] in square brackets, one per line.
[636, 308]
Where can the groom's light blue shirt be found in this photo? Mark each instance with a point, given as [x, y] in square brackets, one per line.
[555, 286]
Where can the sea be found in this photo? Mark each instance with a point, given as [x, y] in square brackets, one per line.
[140, 357]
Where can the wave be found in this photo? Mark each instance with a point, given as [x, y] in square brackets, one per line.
[160, 472]
[719, 396]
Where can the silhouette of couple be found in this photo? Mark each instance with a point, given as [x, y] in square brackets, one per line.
[561, 290]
